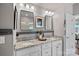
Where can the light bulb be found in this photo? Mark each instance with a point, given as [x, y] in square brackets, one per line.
[46, 12]
[52, 13]
[27, 6]
[49, 12]
[32, 7]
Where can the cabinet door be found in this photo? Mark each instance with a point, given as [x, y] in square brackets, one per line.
[35, 51]
[46, 49]
[23, 52]
[57, 48]
[30, 51]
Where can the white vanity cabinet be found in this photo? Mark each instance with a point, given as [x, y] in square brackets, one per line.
[35, 51]
[46, 49]
[51, 48]
[57, 48]
[30, 51]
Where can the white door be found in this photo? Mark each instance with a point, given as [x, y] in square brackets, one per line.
[69, 35]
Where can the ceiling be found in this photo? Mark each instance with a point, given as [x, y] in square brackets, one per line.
[52, 6]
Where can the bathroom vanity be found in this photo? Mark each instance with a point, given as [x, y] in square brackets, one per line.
[51, 47]
[29, 22]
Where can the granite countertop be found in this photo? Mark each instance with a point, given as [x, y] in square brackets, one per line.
[30, 43]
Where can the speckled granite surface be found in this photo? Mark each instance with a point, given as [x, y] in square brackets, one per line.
[30, 43]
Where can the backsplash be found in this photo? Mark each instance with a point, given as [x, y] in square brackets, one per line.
[31, 36]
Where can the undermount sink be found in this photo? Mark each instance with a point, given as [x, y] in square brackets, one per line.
[27, 43]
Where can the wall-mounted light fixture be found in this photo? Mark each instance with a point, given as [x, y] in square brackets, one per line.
[27, 6]
[49, 13]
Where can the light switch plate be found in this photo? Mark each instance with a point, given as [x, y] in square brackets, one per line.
[2, 39]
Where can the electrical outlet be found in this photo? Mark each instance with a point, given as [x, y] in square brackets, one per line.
[2, 39]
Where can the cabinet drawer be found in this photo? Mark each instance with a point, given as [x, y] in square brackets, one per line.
[57, 42]
[35, 53]
[46, 45]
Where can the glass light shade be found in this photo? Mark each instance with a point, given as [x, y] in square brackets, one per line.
[49, 12]
[27, 6]
[46, 12]
[53, 13]
[32, 7]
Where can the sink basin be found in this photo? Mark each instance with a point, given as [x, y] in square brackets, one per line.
[27, 43]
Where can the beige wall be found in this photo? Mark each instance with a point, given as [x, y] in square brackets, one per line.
[59, 18]
[58, 22]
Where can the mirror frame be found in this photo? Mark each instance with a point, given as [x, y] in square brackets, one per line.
[51, 20]
[20, 21]
[42, 22]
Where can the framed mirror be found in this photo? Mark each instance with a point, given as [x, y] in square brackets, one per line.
[48, 22]
[26, 20]
[39, 22]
